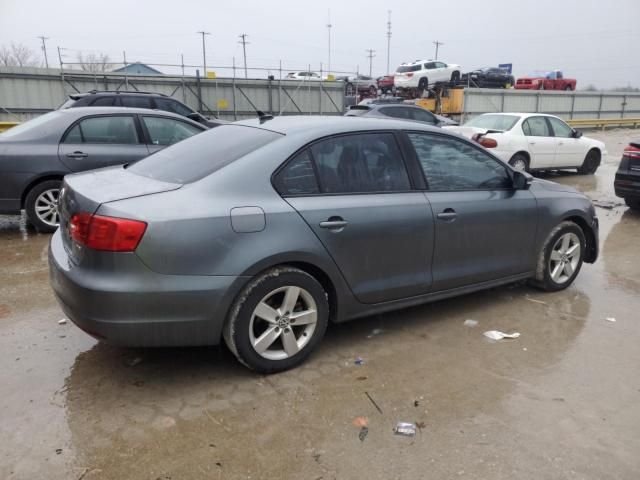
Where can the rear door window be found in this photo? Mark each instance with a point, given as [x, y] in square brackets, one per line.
[360, 163]
[201, 155]
[107, 129]
[170, 105]
[167, 131]
[396, 112]
[422, 115]
[106, 101]
[536, 127]
[136, 101]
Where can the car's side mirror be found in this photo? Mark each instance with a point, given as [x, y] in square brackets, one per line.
[195, 116]
[521, 180]
[577, 134]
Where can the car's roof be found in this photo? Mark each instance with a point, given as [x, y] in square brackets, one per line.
[80, 111]
[522, 114]
[329, 125]
[114, 92]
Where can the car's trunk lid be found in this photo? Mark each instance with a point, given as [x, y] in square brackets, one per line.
[85, 192]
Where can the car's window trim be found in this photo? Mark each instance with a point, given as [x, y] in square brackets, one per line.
[308, 145]
[507, 168]
[78, 121]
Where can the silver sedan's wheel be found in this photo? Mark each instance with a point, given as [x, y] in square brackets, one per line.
[283, 323]
[565, 257]
[46, 207]
[277, 319]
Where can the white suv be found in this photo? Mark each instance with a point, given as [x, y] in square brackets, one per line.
[314, 76]
[420, 74]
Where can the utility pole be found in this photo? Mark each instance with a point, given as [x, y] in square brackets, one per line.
[437, 44]
[244, 51]
[370, 57]
[329, 38]
[204, 53]
[44, 49]
[388, 39]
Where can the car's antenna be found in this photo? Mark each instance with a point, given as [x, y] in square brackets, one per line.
[264, 117]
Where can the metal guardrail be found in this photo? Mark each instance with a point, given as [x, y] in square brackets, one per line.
[7, 125]
[604, 122]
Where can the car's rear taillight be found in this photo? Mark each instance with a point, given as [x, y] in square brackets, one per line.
[106, 233]
[410, 74]
[631, 151]
[486, 142]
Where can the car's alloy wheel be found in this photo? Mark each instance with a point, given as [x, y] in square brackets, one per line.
[519, 162]
[565, 257]
[283, 322]
[560, 258]
[277, 320]
[41, 205]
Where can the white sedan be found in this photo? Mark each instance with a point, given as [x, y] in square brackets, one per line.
[534, 141]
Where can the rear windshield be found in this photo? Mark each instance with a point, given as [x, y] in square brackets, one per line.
[493, 122]
[32, 124]
[203, 154]
[409, 68]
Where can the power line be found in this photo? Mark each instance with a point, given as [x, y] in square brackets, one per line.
[437, 44]
[44, 49]
[388, 39]
[370, 57]
[244, 42]
[204, 52]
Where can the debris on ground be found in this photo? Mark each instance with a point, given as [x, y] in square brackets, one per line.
[138, 383]
[134, 361]
[608, 204]
[535, 300]
[470, 323]
[374, 332]
[58, 451]
[416, 403]
[610, 319]
[364, 431]
[420, 425]
[498, 335]
[361, 378]
[374, 402]
[360, 422]
[359, 361]
[62, 322]
[405, 429]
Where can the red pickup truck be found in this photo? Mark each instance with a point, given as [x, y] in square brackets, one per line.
[546, 81]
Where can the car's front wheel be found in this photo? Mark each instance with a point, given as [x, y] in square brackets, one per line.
[41, 205]
[561, 257]
[520, 162]
[277, 320]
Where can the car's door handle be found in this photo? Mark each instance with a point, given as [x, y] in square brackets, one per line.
[448, 215]
[532, 143]
[77, 155]
[334, 223]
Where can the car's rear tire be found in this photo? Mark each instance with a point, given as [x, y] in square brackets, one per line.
[423, 86]
[373, 90]
[560, 258]
[520, 162]
[455, 78]
[41, 205]
[591, 163]
[633, 203]
[568, 88]
[265, 329]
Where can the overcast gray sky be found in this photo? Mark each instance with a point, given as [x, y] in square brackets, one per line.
[594, 40]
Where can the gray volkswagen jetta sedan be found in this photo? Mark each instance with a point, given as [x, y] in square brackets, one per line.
[264, 231]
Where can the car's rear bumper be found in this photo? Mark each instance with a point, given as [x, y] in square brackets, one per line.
[627, 185]
[133, 306]
[525, 87]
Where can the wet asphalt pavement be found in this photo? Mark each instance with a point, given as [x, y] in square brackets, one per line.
[561, 401]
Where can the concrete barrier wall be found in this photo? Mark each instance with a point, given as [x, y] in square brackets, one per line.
[28, 92]
[567, 105]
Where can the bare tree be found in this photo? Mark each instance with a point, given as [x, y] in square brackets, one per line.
[18, 55]
[95, 62]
